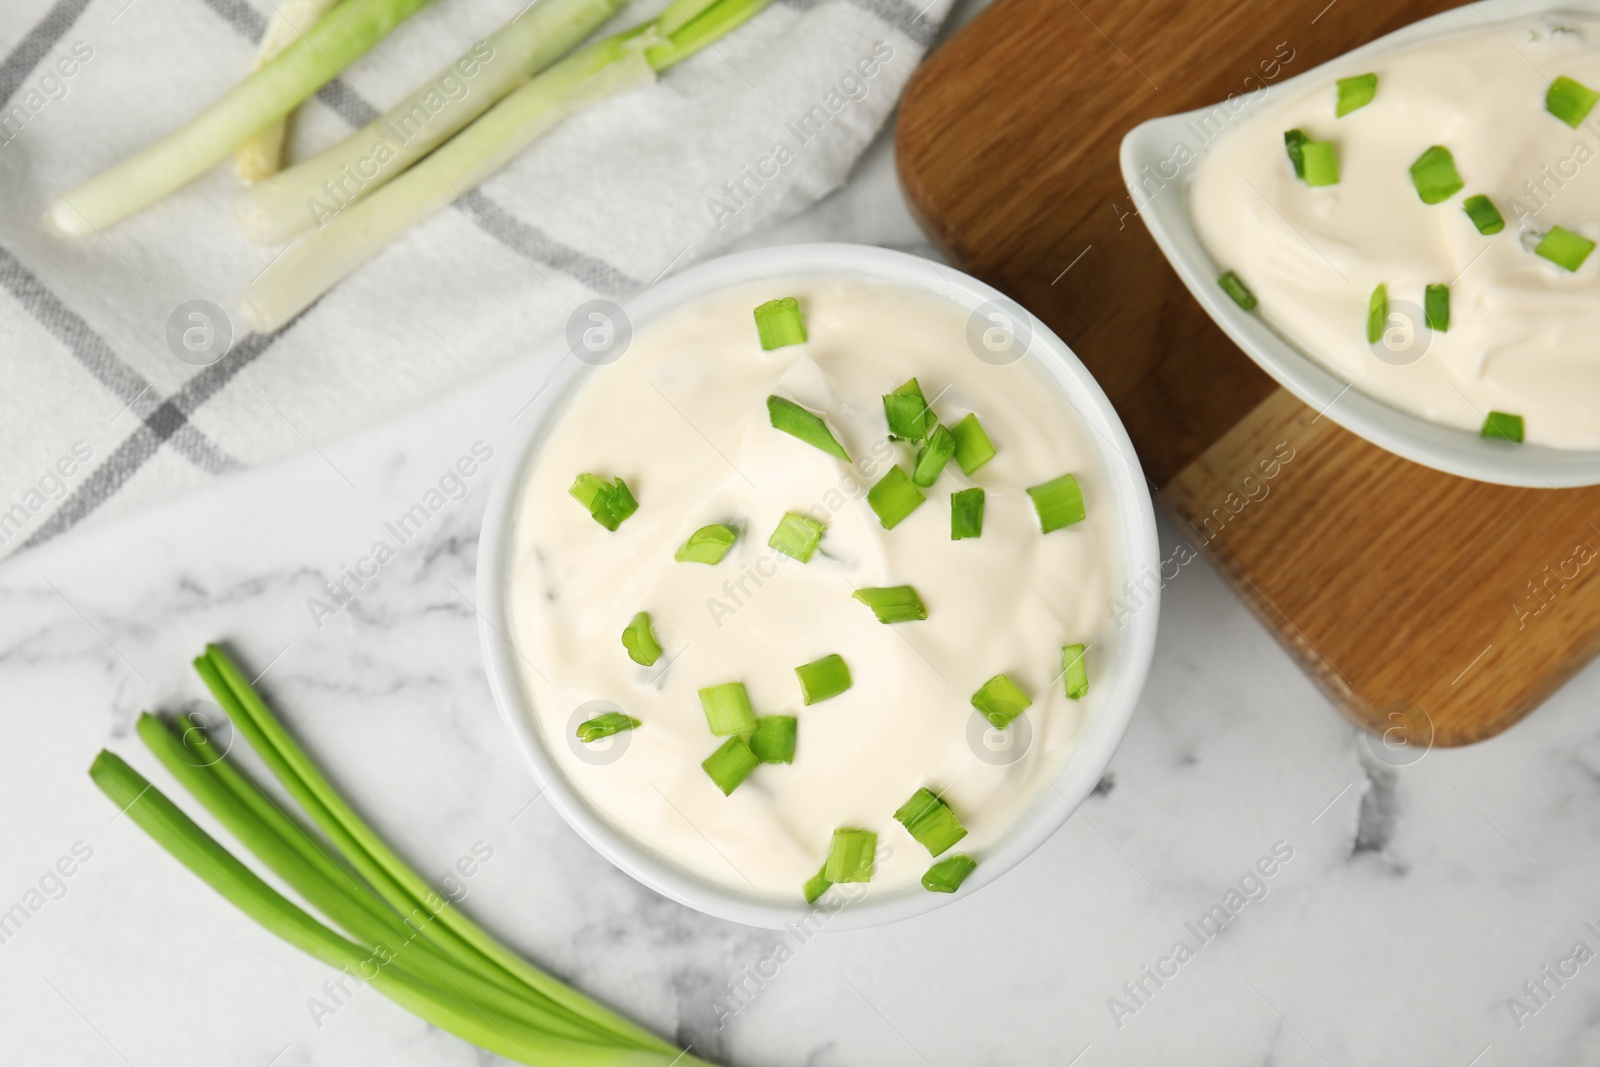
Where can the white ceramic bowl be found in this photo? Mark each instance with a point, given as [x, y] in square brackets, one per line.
[1127, 652]
[1168, 217]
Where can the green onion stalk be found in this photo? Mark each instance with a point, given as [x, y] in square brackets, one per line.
[597, 72]
[269, 93]
[294, 200]
[261, 154]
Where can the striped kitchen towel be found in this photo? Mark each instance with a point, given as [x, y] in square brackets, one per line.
[102, 407]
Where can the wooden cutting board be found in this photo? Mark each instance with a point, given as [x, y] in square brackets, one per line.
[1428, 608]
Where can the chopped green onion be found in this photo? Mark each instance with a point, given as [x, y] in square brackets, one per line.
[608, 502]
[966, 513]
[947, 875]
[1000, 701]
[728, 709]
[850, 856]
[778, 323]
[797, 536]
[640, 641]
[1294, 142]
[823, 678]
[893, 603]
[1377, 314]
[930, 821]
[773, 739]
[1564, 248]
[1570, 101]
[894, 497]
[1059, 503]
[796, 421]
[612, 722]
[908, 414]
[1074, 672]
[1484, 215]
[973, 449]
[730, 764]
[1499, 425]
[1322, 163]
[707, 545]
[1355, 93]
[1240, 292]
[932, 456]
[1436, 307]
[817, 885]
[1435, 176]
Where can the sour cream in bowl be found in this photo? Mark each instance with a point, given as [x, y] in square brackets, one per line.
[821, 587]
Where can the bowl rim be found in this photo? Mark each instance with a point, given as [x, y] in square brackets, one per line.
[1072, 783]
[1166, 215]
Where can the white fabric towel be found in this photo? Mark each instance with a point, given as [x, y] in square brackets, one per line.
[98, 413]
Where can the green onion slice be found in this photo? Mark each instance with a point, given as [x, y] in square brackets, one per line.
[973, 449]
[730, 764]
[796, 421]
[1377, 314]
[1484, 215]
[640, 641]
[893, 603]
[1436, 307]
[1355, 93]
[1321, 162]
[947, 875]
[728, 709]
[1435, 176]
[1564, 248]
[850, 856]
[612, 722]
[1570, 101]
[773, 739]
[1000, 700]
[823, 678]
[607, 502]
[707, 545]
[1501, 426]
[1059, 503]
[966, 513]
[930, 821]
[908, 414]
[1074, 672]
[797, 536]
[894, 497]
[817, 885]
[1240, 292]
[1294, 142]
[932, 457]
[778, 323]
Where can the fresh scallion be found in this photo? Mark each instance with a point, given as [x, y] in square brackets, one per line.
[973, 448]
[894, 497]
[824, 678]
[947, 875]
[1570, 101]
[608, 502]
[612, 722]
[850, 856]
[778, 323]
[1484, 215]
[773, 739]
[1240, 292]
[1435, 176]
[1564, 248]
[893, 603]
[1355, 93]
[640, 641]
[1059, 503]
[728, 709]
[1074, 671]
[797, 536]
[929, 819]
[730, 764]
[1294, 142]
[1377, 314]
[966, 513]
[1503, 427]
[818, 884]
[907, 413]
[796, 421]
[1436, 307]
[1000, 701]
[932, 457]
[707, 545]
[1321, 163]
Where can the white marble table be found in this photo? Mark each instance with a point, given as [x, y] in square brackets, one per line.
[1418, 900]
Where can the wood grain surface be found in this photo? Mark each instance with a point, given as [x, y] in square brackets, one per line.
[1428, 608]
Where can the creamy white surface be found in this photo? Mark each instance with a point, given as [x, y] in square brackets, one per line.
[1523, 332]
[682, 418]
